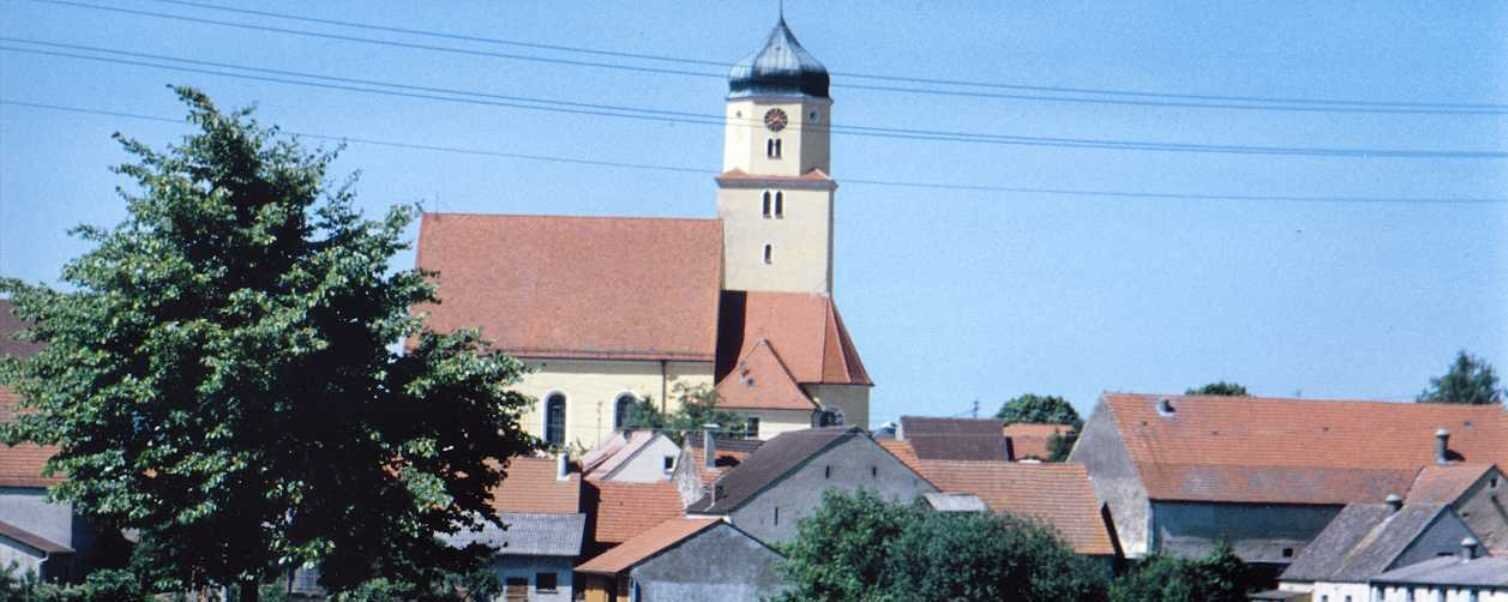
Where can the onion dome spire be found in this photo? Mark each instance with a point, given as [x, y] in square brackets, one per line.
[781, 68]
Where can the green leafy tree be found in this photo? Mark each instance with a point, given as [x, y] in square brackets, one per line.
[860, 547]
[697, 406]
[219, 376]
[1046, 409]
[1220, 388]
[1469, 380]
[1219, 577]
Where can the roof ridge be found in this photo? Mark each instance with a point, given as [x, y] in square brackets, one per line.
[563, 216]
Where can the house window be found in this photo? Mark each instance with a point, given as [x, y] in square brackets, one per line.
[1492, 483]
[874, 472]
[669, 463]
[752, 428]
[767, 212]
[1288, 552]
[555, 417]
[545, 582]
[827, 472]
[777, 516]
[772, 148]
[768, 252]
[779, 204]
[623, 409]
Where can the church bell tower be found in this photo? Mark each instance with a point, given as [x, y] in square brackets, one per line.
[775, 197]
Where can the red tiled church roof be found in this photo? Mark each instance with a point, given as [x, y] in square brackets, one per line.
[761, 381]
[1302, 451]
[577, 287]
[803, 328]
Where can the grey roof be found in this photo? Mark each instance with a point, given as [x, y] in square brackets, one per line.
[768, 464]
[982, 448]
[1362, 541]
[956, 502]
[724, 443]
[781, 68]
[1483, 571]
[529, 535]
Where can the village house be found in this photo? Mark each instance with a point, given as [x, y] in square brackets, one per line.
[631, 456]
[541, 504]
[784, 480]
[1465, 577]
[1365, 540]
[696, 470]
[607, 312]
[685, 560]
[1182, 473]
[954, 438]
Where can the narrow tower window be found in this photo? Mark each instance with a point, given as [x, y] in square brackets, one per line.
[779, 203]
[767, 203]
[772, 148]
[767, 251]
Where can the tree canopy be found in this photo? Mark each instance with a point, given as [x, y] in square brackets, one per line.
[1220, 388]
[1049, 409]
[860, 547]
[221, 377]
[1468, 380]
[1219, 577]
[697, 408]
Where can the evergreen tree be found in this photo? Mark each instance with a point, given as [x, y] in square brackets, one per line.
[1469, 380]
[219, 376]
[1219, 388]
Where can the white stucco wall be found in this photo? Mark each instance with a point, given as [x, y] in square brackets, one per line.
[805, 141]
[648, 463]
[800, 240]
[1341, 592]
[1399, 593]
[775, 422]
[25, 559]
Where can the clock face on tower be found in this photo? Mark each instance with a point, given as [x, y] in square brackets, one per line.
[775, 119]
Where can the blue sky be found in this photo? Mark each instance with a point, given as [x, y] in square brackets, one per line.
[952, 296]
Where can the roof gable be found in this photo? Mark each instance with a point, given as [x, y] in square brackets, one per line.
[40, 545]
[761, 381]
[577, 287]
[1362, 541]
[646, 545]
[1060, 495]
[804, 328]
[1437, 484]
[769, 464]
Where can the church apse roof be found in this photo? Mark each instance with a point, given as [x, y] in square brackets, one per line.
[804, 329]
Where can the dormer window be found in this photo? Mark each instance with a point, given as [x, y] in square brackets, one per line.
[767, 205]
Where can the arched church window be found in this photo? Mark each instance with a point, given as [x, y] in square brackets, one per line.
[768, 251]
[767, 203]
[555, 417]
[779, 204]
[623, 410]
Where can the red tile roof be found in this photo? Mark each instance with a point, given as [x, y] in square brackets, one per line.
[622, 511]
[1446, 484]
[21, 465]
[1032, 440]
[902, 451]
[761, 381]
[804, 329]
[1057, 494]
[646, 545]
[577, 287]
[531, 486]
[1301, 451]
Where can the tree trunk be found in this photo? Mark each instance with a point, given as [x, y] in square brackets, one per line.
[251, 591]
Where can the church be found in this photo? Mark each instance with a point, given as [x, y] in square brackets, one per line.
[610, 311]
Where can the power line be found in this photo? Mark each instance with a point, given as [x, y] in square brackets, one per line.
[870, 182]
[899, 78]
[601, 110]
[1170, 100]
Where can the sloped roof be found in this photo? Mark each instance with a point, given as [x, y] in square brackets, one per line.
[955, 502]
[931, 425]
[902, 451]
[646, 545]
[1437, 484]
[21, 465]
[760, 381]
[730, 453]
[9, 326]
[933, 438]
[531, 487]
[577, 287]
[614, 451]
[529, 535]
[622, 511]
[1057, 494]
[769, 463]
[1362, 541]
[804, 328]
[1483, 571]
[1301, 451]
[39, 544]
[1033, 440]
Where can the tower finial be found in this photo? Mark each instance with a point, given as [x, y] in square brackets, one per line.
[782, 10]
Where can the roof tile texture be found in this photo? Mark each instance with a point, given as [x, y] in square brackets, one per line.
[645, 545]
[1253, 449]
[531, 487]
[1058, 494]
[804, 329]
[761, 381]
[1445, 484]
[577, 287]
[626, 510]
[21, 465]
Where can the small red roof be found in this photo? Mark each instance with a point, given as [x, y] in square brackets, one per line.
[1057, 494]
[577, 287]
[645, 545]
[761, 381]
[902, 451]
[1299, 451]
[803, 328]
[1445, 484]
[622, 511]
[21, 465]
[531, 486]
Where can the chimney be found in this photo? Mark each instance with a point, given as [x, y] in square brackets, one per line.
[1394, 502]
[709, 444]
[1468, 549]
[1442, 446]
[562, 466]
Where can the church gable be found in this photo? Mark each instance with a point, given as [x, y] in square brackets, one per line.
[804, 328]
